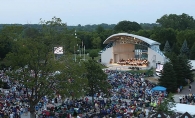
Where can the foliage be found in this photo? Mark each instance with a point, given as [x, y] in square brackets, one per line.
[149, 26]
[164, 34]
[168, 78]
[184, 49]
[167, 47]
[92, 28]
[175, 49]
[177, 22]
[144, 33]
[8, 35]
[96, 42]
[166, 105]
[182, 68]
[33, 65]
[93, 53]
[192, 52]
[127, 26]
[188, 35]
[97, 79]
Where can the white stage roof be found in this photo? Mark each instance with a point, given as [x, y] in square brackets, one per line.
[147, 40]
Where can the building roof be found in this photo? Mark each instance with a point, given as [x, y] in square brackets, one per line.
[114, 37]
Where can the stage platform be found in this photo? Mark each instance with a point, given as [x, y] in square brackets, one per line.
[115, 66]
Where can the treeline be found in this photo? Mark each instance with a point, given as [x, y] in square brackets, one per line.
[173, 28]
[88, 28]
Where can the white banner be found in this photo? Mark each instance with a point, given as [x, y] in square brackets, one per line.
[58, 50]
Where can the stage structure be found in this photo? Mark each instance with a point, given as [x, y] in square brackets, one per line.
[58, 52]
[124, 46]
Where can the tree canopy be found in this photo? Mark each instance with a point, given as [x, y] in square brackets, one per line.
[33, 65]
[97, 79]
[127, 26]
[177, 22]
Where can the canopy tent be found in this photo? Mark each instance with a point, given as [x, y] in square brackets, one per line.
[159, 88]
[182, 108]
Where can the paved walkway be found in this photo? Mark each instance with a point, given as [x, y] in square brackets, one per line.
[185, 91]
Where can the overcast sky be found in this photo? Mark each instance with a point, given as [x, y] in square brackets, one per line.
[74, 12]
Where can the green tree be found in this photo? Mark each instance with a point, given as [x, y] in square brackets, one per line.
[93, 53]
[184, 49]
[175, 49]
[97, 79]
[96, 43]
[182, 68]
[167, 47]
[31, 32]
[168, 78]
[192, 52]
[177, 22]
[163, 34]
[144, 33]
[167, 105]
[185, 67]
[188, 35]
[34, 66]
[127, 26]
[99, 29]
[8, 35]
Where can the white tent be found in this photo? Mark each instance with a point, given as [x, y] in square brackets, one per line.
[192, 64]
[182, 108]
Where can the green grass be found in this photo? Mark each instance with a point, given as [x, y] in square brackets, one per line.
[147, 71]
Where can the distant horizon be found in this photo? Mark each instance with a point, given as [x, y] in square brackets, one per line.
[89, 12]
[71, 25]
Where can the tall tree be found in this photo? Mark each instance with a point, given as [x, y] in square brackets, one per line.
[96, 43]
[8, 35]
[33, 66]
[192, 52]
[175, 49]
[188, 35]
[167, 47]
[167, 105]
[97, 79]
[185, 68]
[168, 78]
[184, 49]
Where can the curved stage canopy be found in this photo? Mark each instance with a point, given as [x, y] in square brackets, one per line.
[125, 37]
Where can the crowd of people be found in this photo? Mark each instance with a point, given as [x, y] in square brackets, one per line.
[130, 95]
[187, 99]
[13, 101]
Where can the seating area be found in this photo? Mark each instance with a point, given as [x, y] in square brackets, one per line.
[134, 62]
